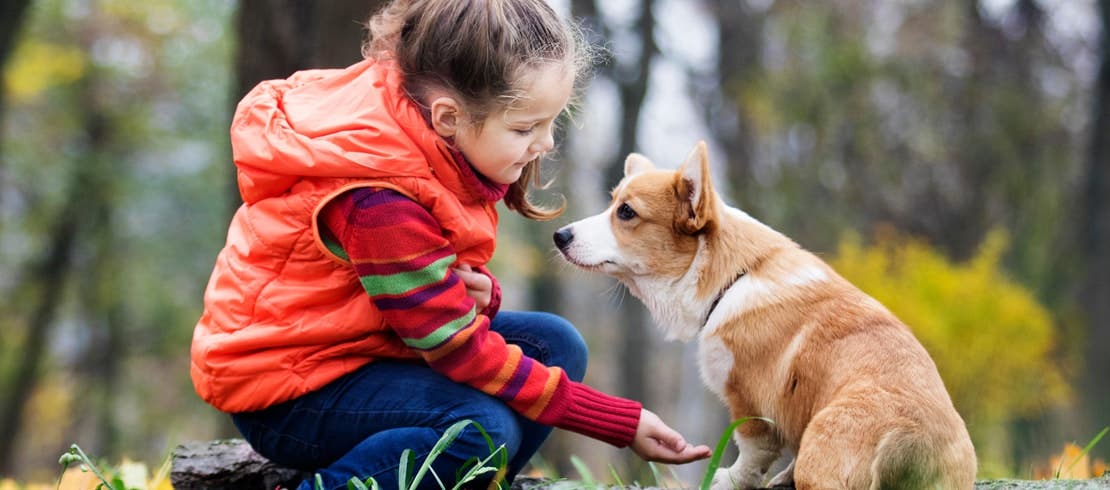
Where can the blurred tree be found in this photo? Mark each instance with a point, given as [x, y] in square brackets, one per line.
[12, 14]
[1095, 237]
[739, 45]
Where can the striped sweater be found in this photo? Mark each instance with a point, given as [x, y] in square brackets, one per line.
[404, 263]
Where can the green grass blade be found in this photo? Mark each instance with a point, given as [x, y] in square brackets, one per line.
[449, 436]
[481, 467]
[583, 472]
[408, 460]
[356, 484]
[616, 477]
[674, 474]
[655, 473]
[722, 444]
[319, 481]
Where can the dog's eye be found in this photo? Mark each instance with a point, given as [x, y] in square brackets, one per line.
[625, 212]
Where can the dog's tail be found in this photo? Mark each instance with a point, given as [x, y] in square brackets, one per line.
[912, 459]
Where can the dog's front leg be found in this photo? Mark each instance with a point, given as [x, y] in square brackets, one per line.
[759, 447]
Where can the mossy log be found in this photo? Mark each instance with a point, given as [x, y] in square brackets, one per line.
[231, 464]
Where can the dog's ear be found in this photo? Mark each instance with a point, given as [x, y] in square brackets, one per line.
[636, 163]
[696, 189]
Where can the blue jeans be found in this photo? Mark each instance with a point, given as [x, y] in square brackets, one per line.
[359, 425]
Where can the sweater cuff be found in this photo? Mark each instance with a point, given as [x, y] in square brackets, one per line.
[603, 417]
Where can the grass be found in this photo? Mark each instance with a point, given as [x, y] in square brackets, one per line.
[495, 463]
[412, 474]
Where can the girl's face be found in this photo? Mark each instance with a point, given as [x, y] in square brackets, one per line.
[510, 138]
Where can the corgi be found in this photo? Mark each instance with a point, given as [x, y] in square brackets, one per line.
[849, 390]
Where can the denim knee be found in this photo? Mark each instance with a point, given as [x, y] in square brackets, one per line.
[567, 347]
[498, 421]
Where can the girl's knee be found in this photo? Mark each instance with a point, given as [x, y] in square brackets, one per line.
[568, 349]
[499, 422]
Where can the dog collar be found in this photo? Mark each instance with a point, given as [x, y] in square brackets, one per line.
[721, 294]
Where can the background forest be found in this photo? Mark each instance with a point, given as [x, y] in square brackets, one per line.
[950, 157]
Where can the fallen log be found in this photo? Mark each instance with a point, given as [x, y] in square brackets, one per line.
[228, 464]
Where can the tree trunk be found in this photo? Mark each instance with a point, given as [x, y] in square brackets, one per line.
[12, 15]
[739, 63]
[1095, 235]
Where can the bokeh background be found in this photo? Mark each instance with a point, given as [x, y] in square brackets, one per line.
[950, 157]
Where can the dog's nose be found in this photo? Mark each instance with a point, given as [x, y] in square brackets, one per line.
[563, 237]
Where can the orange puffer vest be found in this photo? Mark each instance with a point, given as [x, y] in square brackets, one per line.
[282, 315]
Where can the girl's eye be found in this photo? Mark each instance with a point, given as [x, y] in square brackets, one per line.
[625, 212]
[523, 132]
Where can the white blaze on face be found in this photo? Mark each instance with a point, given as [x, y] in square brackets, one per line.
[594, 245]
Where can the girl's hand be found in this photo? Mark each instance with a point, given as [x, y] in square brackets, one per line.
[478, 286]
[654, 441]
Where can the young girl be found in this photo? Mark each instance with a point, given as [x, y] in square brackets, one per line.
[351, 315]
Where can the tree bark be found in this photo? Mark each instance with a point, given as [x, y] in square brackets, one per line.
[1095, 235]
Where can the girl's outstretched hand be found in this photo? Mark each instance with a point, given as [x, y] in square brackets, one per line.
[478, 286]
[655, 441]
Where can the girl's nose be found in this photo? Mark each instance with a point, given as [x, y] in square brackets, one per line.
[545, 143]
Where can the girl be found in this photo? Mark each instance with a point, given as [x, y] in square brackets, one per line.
[350, 316]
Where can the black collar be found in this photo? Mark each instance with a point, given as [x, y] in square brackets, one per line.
[721, 294]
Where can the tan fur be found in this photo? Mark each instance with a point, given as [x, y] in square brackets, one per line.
[851, 392]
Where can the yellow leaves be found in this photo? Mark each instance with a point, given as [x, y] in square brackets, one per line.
[36, 67]
[76, 479]
[1072, 464]
[992, 341]
[9, 484]
[128, 475]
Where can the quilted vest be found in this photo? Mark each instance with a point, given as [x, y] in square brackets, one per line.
[283, 316]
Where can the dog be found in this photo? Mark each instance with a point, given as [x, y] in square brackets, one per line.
[850, 391]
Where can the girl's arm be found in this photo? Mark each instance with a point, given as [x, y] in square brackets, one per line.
[405, 265]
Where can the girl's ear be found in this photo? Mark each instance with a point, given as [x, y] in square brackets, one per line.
[446, 116]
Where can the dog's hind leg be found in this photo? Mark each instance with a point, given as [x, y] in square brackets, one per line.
[835, 452]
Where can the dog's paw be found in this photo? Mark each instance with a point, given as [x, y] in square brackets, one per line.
[725, 479]
[722, 480]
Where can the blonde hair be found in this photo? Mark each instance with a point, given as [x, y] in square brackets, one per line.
[478, 50]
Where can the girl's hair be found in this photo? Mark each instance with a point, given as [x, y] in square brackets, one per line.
[477, 50]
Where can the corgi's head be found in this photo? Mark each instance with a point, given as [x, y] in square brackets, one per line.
[652, 224]
[652, 237]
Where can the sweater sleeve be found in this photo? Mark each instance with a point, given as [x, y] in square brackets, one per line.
[404, 263]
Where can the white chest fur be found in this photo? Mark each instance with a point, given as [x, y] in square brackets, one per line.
[715, 362]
